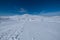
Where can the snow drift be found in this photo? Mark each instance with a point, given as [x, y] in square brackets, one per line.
[29, 27]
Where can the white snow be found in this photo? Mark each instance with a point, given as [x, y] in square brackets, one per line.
[29, 27]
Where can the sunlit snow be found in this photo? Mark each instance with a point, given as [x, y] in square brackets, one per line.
[29, 27]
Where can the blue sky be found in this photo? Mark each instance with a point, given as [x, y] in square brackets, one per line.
[12, 7]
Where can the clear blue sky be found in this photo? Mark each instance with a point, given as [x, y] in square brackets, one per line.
[12, 7]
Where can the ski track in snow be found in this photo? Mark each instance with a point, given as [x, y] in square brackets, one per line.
[29, 27]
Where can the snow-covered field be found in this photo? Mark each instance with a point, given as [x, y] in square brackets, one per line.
[29, 27]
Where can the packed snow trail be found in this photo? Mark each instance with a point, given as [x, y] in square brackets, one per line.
[18, 35]
[29, 27]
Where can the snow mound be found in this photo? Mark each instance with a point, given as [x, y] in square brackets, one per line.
[29, 27]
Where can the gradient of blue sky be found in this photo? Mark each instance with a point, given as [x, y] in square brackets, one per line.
[11, 7]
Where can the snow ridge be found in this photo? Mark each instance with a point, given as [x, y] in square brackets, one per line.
[29, 27]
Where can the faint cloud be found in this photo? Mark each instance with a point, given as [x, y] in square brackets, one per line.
[50, 13]
[22, 10]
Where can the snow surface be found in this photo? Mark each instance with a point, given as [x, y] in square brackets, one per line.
[29, 27]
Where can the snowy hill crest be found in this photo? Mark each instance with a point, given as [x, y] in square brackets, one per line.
[29, 27]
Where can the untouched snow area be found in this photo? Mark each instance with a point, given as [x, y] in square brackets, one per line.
[29, 27]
